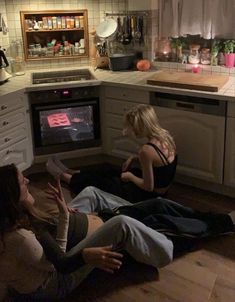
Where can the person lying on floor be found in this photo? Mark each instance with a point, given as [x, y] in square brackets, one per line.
[157, 159]
[184, 226]
[44, 259]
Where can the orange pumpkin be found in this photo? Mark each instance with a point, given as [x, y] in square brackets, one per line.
[143, 65]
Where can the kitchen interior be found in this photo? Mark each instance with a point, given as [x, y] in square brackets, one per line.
[69, 70]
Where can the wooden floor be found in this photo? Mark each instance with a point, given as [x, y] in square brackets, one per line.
[205, 275]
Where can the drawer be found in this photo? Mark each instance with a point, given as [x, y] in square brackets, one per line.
[114, 121]
[13, 136]
[19, 154]
[127, 94]
[11, 120]
[10, 103]
[118, 107]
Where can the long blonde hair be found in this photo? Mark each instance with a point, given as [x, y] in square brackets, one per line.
[143, 121]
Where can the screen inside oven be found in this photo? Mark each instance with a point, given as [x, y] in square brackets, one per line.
[65, 125]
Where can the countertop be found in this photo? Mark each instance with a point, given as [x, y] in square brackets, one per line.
[128, 79]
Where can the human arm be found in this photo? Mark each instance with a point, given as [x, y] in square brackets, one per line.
[147, 181]
[128, 162]
[56, 194]
[100, 257]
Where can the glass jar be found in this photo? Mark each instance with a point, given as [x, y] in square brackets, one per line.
[205, 56]
[194, 56]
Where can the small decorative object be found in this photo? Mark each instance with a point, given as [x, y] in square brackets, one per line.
[215, 52]
[196, 68]
[177, 49]
[143, 65]
[205, 56]
[194, 57]
[228, 53]
[184, 59]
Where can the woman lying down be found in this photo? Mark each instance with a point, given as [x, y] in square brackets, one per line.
[44, 258]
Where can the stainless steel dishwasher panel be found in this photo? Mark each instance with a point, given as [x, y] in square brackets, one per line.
[198, 127]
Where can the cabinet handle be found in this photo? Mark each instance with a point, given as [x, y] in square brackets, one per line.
[9, 151]
[7, 139]
[3, 107]
[5, 123]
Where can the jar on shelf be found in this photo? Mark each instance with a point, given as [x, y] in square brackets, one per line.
[194, 56]
[205, 56]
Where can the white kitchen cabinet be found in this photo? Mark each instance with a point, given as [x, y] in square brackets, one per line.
[117, 101]
[229, 162]
[139, 5]
[199, 140]
[15, 131]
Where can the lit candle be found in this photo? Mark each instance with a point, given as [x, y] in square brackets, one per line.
[196, 68]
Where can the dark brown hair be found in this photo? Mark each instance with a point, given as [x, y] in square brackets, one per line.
[10, 209]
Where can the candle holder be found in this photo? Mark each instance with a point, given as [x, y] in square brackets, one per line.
[196, 68]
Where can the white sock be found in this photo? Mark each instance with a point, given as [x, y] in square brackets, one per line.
[232, 215]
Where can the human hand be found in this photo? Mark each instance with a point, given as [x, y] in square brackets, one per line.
[127, 164]
[103, 258]
[126, 176]
[55, 193]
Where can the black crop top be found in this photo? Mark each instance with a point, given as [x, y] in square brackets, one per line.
[163, 175]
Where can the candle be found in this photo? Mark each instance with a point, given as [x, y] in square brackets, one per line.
[196, 68]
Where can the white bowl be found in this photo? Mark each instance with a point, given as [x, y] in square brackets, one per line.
[106, 28]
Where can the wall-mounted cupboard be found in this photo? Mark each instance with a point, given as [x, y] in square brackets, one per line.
[55, 34]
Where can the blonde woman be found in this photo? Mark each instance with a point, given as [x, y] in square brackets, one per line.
[157, 162]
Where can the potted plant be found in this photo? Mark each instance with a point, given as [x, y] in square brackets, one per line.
[228, 53]
[177, 46]
[215, 49]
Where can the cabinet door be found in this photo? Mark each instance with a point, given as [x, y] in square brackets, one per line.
[11, 102]
[11, 120]
[199, 140]
[229, 164]
[18, 154]
[118, 145]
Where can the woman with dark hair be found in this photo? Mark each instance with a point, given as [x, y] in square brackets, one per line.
[44, 259]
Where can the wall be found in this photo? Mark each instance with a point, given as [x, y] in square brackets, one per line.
[4, 39]
[95, 15]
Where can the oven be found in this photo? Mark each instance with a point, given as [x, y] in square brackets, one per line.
[65, 119]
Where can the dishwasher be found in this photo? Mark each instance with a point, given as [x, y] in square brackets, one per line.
[198, 127]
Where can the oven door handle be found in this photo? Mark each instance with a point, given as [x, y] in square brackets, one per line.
[62, 105]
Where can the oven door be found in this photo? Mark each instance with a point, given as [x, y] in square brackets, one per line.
[65, 125]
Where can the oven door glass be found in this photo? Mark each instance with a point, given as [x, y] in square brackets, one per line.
[70, 124]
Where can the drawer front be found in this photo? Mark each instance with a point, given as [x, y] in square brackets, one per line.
[127, 94]
[11, 137]
[118, 107]
[10, 103]
[17, 154]
[114, 121]
[10, 121]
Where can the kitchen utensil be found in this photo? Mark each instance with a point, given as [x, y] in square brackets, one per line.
[121, 61]
[127, 30]
[119, 36]
[187, 80]
[106, 29]
[137, 34]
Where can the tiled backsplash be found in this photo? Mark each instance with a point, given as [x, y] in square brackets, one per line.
[4, 38]
[96, 13]
[204, 69]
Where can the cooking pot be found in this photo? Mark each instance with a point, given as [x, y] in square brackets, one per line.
[106, 29]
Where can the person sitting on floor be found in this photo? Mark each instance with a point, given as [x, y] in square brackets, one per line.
[44, 259]
[157, 159]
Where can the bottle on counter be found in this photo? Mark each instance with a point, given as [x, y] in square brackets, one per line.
[194, 56]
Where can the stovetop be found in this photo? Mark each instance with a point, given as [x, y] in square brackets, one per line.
[61, 76]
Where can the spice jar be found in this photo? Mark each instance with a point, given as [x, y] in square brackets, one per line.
[205, 56]
[194, 57]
